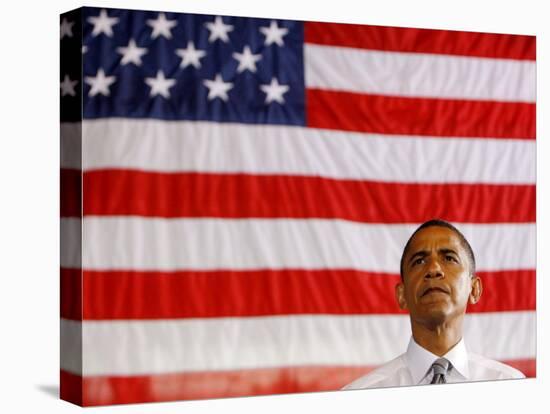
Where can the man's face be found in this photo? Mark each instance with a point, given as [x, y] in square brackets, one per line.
[436, 282]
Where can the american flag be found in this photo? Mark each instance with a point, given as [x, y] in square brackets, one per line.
[236, 194]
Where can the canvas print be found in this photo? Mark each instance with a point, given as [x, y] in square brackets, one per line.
[255, 206]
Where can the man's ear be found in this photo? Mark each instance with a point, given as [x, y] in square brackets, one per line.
[400, 295]
[476, 291]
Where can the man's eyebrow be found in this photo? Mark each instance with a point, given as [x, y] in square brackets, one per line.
[447, 250]
[420, 253]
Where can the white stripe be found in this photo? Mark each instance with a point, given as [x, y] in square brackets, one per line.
[502, 335]
[418, 74]
[71, 145]
[167, 244]
[71, 351]
[167, 346]
[166, 146]
[70, 242]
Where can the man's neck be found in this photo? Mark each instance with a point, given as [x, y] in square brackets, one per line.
[439, 338]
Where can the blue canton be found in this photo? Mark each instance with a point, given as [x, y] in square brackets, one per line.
[173, 66]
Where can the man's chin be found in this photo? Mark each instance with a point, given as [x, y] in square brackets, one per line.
[435, 314]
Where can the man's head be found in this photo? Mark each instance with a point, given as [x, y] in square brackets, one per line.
[437, 274]
[442, 223]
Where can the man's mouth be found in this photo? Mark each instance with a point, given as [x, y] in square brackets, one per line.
[434, 289]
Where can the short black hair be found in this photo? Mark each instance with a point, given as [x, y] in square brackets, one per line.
[442, 223]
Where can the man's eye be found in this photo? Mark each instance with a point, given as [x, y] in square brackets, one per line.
[418, 261]
[451, 259]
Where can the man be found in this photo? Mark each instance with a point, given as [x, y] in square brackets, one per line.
[437, 282]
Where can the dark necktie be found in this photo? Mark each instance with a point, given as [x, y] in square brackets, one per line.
[440, 368]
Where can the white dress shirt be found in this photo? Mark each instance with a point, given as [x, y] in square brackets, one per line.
[414, 368]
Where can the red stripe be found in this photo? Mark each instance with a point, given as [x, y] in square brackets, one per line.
[70, 387]
[399, 39]
[507, 290]
[152, 194]
[70, 192]
[212, 384]
[419, 116]
[527, 366]
[211, 294]
[201, 385]
[71, 293]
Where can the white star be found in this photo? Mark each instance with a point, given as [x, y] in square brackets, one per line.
[246, 60]
[131, 53]
[160, 85]
[100, 83]
[274, 91]
[274, 34]
[190, 56]
[84, 49]
[103, 23]
[217, 88]
[161, 26]
[218, 30]
[67, 86]
[66, 28]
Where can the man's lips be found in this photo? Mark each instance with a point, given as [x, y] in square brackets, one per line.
[431, 289]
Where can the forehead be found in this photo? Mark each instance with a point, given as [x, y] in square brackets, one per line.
[435, 237]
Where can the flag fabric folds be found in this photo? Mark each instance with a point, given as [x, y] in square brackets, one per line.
[236, 194]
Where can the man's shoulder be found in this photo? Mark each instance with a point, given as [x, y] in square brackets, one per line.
[496, 369]
[379, 377]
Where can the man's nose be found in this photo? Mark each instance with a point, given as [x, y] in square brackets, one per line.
[434, 269]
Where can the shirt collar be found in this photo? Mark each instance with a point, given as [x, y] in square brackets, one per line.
[420, 360]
